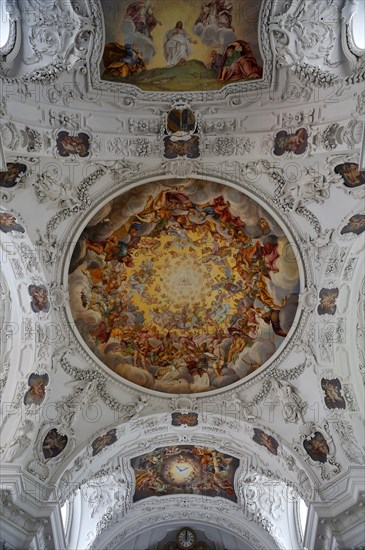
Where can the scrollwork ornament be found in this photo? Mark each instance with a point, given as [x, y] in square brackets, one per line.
[228, 146]
[143, 126]
[242, 409]
[53, 193]
[38, 469]
[349, 441]
[183, 404]
[293, 408]
[314, 75]
[181, 168]
[138, 147]
[77, 403]
[48, 243]
[22, 442]
[58, 295]
[350, 398]
[50, 248]
[218, 125]
[64, 119]
[285, 205]
[130, 94]
[97, 380]
[309, 297]
[315, 189]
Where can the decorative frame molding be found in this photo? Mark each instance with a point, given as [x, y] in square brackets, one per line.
[133, 178]
[232, 93]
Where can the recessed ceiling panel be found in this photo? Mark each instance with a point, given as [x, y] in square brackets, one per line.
[185, 470]
[181, 45]
[183, 287]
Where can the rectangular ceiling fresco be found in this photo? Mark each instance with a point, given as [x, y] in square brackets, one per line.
[181, 45]
[185, 470]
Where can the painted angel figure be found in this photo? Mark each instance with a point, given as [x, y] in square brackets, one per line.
[217, 12]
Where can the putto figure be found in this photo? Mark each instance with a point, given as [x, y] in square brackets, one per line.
[40, 300]
[296, 143]
[8, 223]
[72, 145]
[37, 389]
[332, 390]
[351, 175]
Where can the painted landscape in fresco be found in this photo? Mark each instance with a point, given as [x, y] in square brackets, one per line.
[185, 470]
[183, 287]
[181, 45]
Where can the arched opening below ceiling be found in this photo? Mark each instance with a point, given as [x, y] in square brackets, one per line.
[4, 26]
[358, 25]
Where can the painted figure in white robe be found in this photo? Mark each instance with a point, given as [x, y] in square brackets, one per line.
[177, 45]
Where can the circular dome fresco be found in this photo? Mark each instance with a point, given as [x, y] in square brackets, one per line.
[183, 287]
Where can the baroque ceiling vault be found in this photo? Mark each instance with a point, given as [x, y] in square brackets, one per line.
[182, 287]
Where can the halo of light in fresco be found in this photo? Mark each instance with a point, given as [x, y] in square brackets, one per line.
[183, 287]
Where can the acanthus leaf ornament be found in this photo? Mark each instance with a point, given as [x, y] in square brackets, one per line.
[54, 193]
[349, 441]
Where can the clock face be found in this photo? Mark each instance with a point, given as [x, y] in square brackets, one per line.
[186, 538]
[181, 470]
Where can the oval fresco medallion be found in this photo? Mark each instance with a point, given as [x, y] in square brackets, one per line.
[183, 287]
